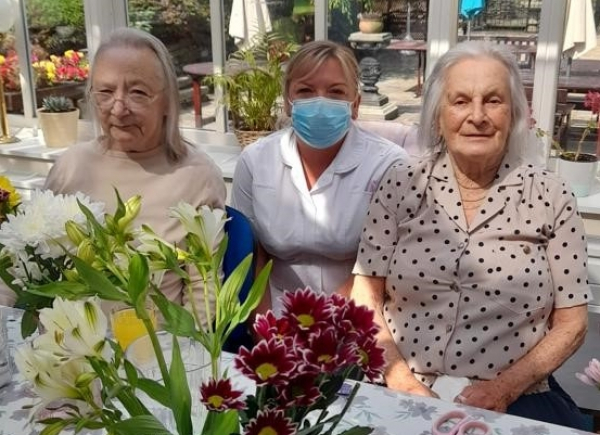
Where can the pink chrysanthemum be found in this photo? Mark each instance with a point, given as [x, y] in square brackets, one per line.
[269, 362]
[306, 310]
[270, 422]
[220, 396]
[370, 357]
[299, 391]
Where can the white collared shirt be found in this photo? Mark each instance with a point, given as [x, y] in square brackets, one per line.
[311, 235]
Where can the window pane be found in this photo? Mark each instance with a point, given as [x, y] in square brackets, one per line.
[57, 51]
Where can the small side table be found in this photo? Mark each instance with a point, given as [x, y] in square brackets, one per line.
[197, 71]
[373, 105]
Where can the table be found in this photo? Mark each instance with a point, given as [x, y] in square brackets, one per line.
[420, 48]
[197, 72]
[575, 83]
[383, 409]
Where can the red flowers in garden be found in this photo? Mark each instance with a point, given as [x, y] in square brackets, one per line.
[302, 362]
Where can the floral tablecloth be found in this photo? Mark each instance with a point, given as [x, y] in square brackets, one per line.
[387, 411]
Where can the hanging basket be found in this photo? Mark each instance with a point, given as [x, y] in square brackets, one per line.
[246, 137]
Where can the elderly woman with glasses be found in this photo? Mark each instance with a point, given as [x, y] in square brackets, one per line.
[473, 259]
[133, 88]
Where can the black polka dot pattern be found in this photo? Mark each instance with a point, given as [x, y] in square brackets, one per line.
[470, 300]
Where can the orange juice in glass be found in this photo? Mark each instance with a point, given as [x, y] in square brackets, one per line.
[126, 326]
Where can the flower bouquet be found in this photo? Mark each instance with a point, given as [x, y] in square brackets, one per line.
[86, 380]
[300, 365]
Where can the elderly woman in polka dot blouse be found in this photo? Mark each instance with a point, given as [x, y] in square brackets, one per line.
[474, 261]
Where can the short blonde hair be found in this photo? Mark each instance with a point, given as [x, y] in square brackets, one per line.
[312, 55]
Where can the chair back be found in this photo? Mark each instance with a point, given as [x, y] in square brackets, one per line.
[241, 243]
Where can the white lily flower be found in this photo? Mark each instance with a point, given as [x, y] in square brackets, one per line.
[51, 377]
[208, 224]
[74, 328]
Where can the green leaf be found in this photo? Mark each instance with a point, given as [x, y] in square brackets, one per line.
[29, 323]
[221, 423]
[139, 279]
[155, 390]
[181, 399]
[6, 276]
[55, 428]
[177, 320]
[64, 289]
[98, 282]
[140, 424]
[357, 430]
[254, 295]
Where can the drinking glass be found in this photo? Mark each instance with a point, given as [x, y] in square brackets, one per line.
[126, 326]
[197, 367]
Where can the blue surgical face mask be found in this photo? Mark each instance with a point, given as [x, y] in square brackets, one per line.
[321, 122]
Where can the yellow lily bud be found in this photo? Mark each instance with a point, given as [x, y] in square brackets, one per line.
[71, 275]
[75, 232]
[86, 252]
[132, 209]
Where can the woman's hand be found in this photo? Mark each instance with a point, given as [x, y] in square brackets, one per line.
[368, 291]
[397, 379]
[493, 395]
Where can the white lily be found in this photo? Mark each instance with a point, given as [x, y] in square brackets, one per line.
[208, 224]
[51, 377]
[74, 328]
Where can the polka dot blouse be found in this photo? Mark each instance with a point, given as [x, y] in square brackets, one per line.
[470, 301]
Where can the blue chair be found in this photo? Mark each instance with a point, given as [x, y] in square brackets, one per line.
[241, 243]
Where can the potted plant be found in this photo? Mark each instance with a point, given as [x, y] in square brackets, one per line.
[370, 20]
[577, 167]
[58, 119]
[253, 84]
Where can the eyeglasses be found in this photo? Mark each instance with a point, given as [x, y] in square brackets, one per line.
[105, 100]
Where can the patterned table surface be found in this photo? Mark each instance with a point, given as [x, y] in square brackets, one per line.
[387, 411]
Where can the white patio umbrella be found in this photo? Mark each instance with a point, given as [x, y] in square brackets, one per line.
[248, 19]
[580, 29]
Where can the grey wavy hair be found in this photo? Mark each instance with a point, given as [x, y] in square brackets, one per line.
[129, 37]
[434, 92]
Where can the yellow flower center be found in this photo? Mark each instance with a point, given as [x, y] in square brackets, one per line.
[306, 320]
[324, 358]
[267, 431]
[364, 357]
[216, 401]
[266, 370]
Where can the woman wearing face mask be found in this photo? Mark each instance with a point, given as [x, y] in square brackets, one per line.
[306, 189]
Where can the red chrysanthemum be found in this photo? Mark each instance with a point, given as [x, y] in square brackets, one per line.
[268, 326]
[299, 391]
[306, 310]
[220, 396]
[327, 354]
[370, 357]
[269, 362]
[355, 319]
[270, 422]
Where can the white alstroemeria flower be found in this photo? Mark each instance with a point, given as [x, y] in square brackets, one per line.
[51, 377]
[208, 224]
[74, 329]
[40, 223]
